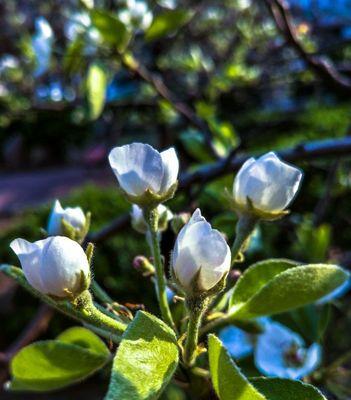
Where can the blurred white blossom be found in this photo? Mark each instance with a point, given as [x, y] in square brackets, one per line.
[282, 353]
[74, 216]
[136, 14]
[141, 226]
[42, 45]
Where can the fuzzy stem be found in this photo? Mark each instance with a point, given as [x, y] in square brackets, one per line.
[93, 316]
[196, 306]
[244, 229]
[151, 216]
[90, 315]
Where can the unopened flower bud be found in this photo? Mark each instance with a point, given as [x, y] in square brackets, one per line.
[266, 186]
[55, 266]
[72, 217]
[139, 223]
[142, 264]
[146, 176]
[201, 256]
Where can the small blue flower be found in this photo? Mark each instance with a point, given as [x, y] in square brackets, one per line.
[238, 343]
[282, 353]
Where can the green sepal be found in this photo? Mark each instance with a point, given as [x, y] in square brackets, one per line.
[150, 200]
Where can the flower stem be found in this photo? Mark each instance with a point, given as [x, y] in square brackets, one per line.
[196, 307]
[94, 316]
[90, 315]
[244, 229]
[152, 218]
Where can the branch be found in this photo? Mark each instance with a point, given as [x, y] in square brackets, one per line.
[324, 68]
[304, 151]
[183, 109]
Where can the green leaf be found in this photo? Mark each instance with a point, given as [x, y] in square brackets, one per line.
[112, 30]
[96, 89]
[166, 23]
[85, 338]
[285, 389]
[228, 382]
[145, 361]
[257, 276]
[54, 364]
[73, 59]
[276, 293]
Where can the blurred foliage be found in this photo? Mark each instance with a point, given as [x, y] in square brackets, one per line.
[68, 83]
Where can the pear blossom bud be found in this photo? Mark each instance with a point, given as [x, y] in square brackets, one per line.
[146, 176]
[55, 266]
[73, 216]
[266, 185]
[201, 256]
[141, 226]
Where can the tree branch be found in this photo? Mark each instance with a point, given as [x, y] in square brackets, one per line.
[324, 68]
[207, 173]
[163, 91]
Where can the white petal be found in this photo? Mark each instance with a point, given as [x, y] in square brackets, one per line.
[271, 348]
[54, 224]
[198, 246]
[62, 262]
[171, 168]
[138, 220]
[75, 216]
[216, 261]
[240, 181]
[270, 183]
[138, 167]
[29, 256]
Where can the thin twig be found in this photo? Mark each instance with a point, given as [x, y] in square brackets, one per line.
[323, 67]
[163, 91]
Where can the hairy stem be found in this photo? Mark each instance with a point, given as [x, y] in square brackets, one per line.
[151, 217]
[89, 315]
[196, 306]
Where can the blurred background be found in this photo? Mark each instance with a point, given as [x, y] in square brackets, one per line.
[219, 80]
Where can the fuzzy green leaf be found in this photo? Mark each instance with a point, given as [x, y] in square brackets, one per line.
[54, 364]
[96, 89]
[166, 23]
[145, 361]
[292, 288]
[285, 389]
[257, 276]
[228, 382]
[84, 338]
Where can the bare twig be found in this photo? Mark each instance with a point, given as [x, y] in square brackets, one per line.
[304, 151]
[324, 68]
[182, 108]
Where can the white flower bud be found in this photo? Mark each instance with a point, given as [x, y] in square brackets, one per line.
[139, 223]
[55, 266]
[267, 183]
[136, 14]
[74, 216]
[143, 171]
[201, 256]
